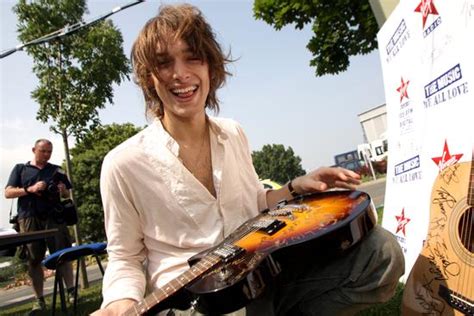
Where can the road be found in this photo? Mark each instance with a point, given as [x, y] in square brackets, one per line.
[376, 190]
[24, 293]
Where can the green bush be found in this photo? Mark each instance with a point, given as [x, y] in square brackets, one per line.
[8, 274]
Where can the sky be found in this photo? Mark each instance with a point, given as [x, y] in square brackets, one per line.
[273, 93]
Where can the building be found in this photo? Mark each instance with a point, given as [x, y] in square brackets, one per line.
[374, 123]
[349, 160]
[374, 128]
[375, 145]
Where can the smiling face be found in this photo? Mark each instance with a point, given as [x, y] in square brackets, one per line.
[181, 81]
[172, 23]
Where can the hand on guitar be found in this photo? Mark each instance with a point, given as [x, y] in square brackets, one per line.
[114, 308]
[318, 180]
[325, 178]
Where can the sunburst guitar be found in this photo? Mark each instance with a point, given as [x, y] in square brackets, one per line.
[442, 279]
[236, 271]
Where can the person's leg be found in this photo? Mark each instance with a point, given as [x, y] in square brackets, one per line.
[35, 272]
[62, 240]
[343, 285]
[35, 252]
[68, 275]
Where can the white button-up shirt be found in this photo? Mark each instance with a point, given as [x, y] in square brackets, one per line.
[155, 209]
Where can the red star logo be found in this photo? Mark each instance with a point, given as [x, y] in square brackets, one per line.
[426, 7]
[446, 159]
[402, 221]
[403, 89]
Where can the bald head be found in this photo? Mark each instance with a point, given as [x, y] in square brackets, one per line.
[42, 151]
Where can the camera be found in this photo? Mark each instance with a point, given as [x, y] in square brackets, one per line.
[13, 219]
[51, 192]
[52, 187]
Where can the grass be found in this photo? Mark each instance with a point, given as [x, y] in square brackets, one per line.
[91, 298]
[88, 301]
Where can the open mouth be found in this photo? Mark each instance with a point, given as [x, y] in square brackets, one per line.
[184, 92]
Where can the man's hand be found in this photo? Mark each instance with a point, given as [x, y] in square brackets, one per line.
[318, 180]
[37, 188]
[63, 191]
[326, 178]
[115, 308]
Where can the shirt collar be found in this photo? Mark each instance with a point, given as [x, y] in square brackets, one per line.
[169, 142]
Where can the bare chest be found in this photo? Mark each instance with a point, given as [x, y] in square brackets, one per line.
[199, 163]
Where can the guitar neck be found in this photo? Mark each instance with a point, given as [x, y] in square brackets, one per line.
[204, 265]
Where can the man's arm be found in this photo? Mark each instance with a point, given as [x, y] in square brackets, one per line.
[316, 181]
[124, 279]
[15, 192]
[64, 185]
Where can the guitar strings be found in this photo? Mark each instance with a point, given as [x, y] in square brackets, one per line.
[465, 231]
[469, 242]
[467, 239]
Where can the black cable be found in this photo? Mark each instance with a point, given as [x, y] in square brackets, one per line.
[67, 30]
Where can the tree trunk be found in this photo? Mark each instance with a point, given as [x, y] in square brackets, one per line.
[84, 282]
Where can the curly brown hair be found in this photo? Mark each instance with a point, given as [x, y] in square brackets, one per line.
[175, 22]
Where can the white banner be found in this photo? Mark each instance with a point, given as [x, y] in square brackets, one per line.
[426, 50]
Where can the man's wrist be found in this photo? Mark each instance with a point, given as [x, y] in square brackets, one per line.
[25, 188]
[291, 189]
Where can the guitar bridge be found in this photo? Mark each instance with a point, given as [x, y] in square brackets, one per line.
[288, 210]
[456, 300]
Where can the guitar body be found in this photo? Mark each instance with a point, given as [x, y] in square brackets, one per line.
[239, 269]
[442, 280]
[336, 219]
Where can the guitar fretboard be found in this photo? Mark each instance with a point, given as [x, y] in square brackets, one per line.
[205, 264]
[202, 266]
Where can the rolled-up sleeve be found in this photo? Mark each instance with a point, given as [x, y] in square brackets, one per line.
[124, 276]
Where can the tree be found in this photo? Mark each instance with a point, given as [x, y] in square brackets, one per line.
[342, 28]
[76, 73]
[277, 163]
[87, 157]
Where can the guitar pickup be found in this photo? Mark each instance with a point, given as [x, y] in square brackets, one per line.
[269, 226]
[227, 252]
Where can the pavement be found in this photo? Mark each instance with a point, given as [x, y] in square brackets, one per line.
[376, 190]
[24, 293]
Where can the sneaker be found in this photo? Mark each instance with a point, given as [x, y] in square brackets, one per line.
[70, 296]
[38, 305]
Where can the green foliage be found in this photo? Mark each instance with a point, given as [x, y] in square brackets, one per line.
[87, 157]
[14, 270]
[342, 28]
[277, 163]
[76, 73]
[392, 307]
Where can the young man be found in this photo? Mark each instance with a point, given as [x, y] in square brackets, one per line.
[187, 181]
[38, 185]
